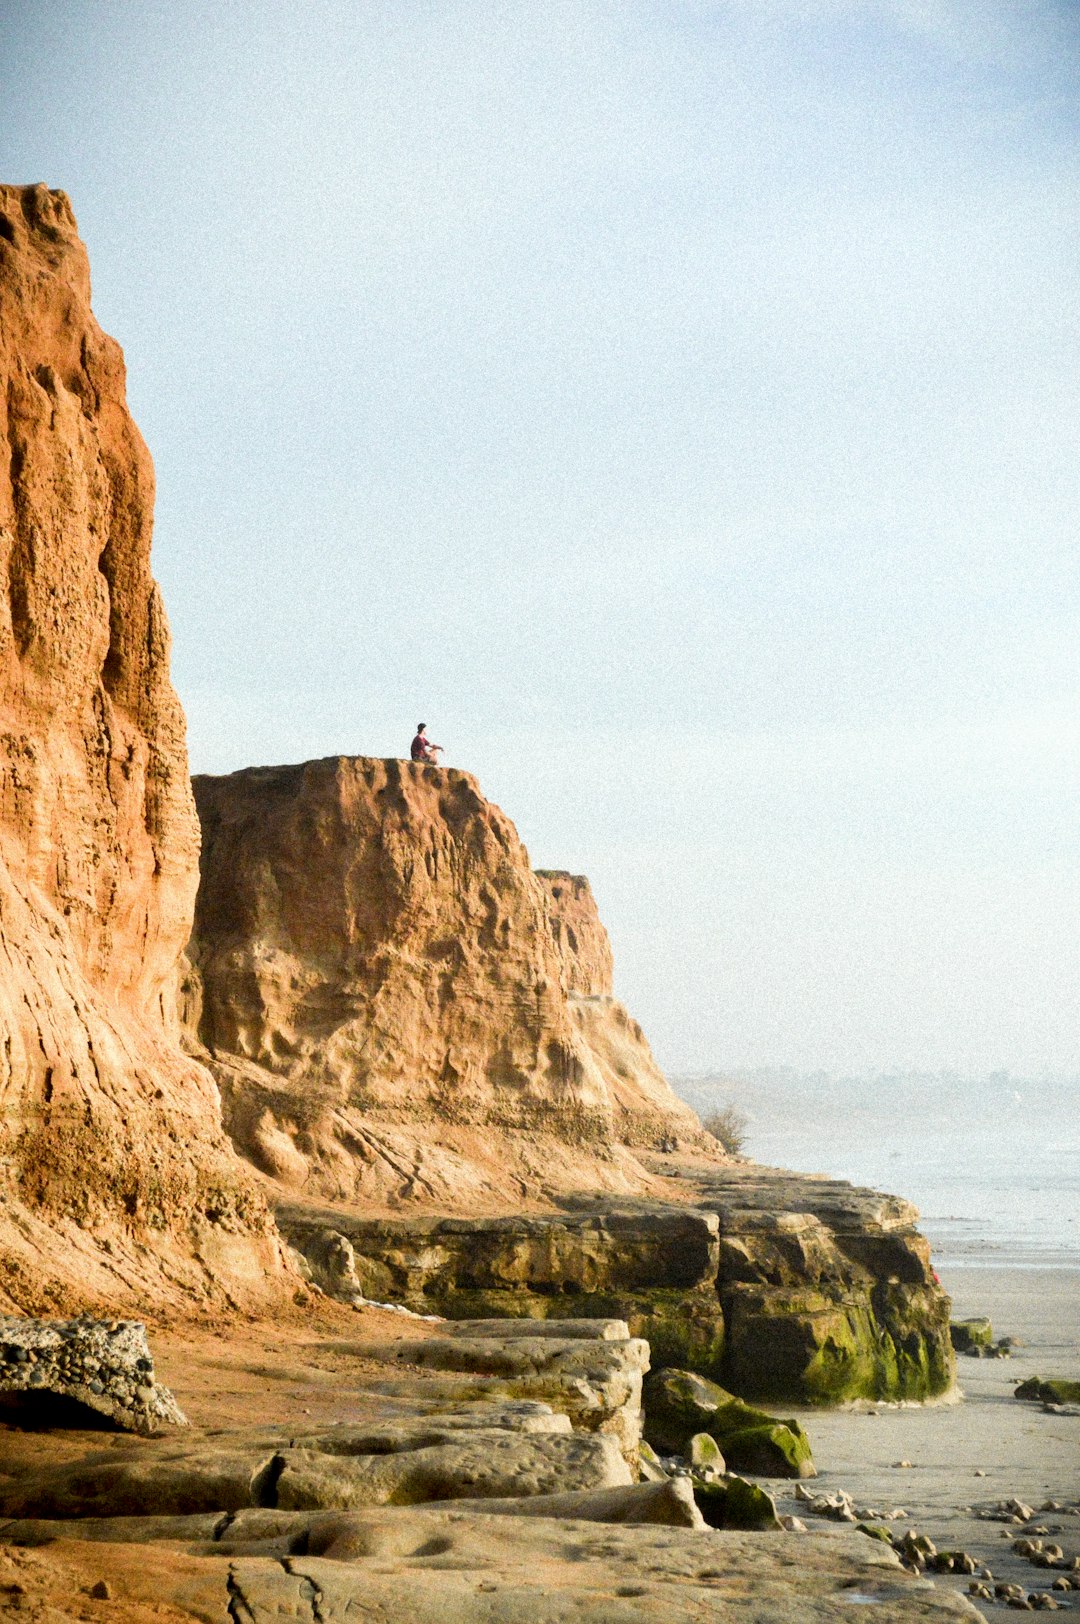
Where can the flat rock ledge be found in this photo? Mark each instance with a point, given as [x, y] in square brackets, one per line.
[590, 1370]
[104, 1365]
[438, 1565]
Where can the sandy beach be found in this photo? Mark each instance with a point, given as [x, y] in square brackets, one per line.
[1020, 1449]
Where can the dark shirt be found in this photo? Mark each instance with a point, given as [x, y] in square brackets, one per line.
[420, 748]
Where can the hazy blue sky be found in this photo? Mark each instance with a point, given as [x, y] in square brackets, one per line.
[675, 402]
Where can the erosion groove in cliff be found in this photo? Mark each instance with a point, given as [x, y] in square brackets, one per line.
[397, 1008]
[114, 1168]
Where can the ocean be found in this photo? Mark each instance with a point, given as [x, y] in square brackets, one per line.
[992, 1163]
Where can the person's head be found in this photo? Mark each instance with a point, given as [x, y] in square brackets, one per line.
[421, 726]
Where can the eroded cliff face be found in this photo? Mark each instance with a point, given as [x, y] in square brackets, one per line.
[114, 1171]
[397, 1008]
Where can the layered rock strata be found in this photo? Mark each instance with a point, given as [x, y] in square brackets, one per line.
[104, 1366]
[780, 1285]
[397, 1008]
[594, 1379]
[114, 1171]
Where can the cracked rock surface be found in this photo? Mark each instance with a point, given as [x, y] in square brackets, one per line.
[448, 1566]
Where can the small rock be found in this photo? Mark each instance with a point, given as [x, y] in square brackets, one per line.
[102, 1590]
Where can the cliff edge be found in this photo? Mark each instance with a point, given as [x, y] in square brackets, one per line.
[115, 1175]
[398, 1009]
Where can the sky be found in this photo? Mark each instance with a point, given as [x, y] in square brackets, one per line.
[673, 402]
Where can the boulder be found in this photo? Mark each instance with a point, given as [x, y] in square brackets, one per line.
[779, 1449]
[968, 1336]
[104, 1365]
[680, 1404]
[703, 1453]
[734, 1503]
[1054, 1391]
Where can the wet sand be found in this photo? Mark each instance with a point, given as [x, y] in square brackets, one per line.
[1023, 1450]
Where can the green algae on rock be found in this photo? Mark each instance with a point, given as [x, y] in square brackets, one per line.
[967, 1335]
[1054, 1391]
[680, 1405]
[735, 1503]
[783, 1286]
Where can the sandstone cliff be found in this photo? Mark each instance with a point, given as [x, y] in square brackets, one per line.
[114, 1171]
[398, 1008]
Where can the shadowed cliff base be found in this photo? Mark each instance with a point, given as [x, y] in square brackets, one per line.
[399, 1010]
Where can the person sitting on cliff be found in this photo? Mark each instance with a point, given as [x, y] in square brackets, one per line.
[422, 748]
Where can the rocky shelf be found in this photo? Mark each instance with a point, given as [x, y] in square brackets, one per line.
[780, 1285]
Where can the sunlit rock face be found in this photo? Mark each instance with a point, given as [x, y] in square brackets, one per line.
[398, 1008]
[109, 1133]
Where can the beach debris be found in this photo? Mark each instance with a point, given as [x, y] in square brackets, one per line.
[1010, 1511]
[840, 1507]
[903, 1466]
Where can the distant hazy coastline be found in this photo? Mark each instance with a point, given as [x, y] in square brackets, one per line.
[991, 1162]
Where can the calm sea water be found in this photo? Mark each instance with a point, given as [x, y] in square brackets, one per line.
[993, 1164]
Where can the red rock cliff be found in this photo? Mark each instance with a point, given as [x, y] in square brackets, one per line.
[109, 1134]
[395, 1003]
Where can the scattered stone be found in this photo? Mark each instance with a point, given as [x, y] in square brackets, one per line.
[104, 1365]
[1008, 1511]
[101, 1591]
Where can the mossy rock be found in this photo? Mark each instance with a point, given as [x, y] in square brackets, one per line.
[1054, 1391]
[875, 1531]
[679, 1404]
[770, 1451]
[735, 1503]
[967, 1335]
[816, 1347]
[703, 1453]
